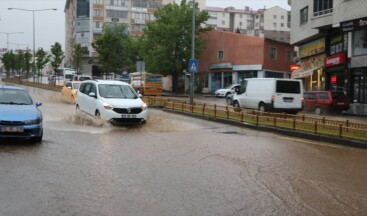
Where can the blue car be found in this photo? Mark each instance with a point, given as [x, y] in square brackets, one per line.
[20, 117]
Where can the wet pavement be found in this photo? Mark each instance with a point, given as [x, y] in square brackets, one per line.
[174, 165]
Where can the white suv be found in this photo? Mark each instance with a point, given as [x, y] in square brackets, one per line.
[113, 100]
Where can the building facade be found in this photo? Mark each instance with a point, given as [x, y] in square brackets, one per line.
[332, 47]
[230, 57]
[84, 20]
[273, 23]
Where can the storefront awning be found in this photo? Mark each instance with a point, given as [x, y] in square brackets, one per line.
[302, 73]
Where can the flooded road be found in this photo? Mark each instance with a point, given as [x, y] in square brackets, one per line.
[174, 165]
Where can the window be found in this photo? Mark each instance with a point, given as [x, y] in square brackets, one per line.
[240, 23]
[289, 55]
[220, 54]
[117, 14]
[273, 53]
[304, 15]
[321, 7]
[275, 24]
[98, 2]
[275, 16]
[282, 24]
[282, 17]
[98, 24]
[223, 22]
[98, 13]
[240, 15]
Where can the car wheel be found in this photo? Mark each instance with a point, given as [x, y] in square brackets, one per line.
[318, 110]
[38, 139]
[236, 106]
[229, 101]
[98, 114]
[262, 107]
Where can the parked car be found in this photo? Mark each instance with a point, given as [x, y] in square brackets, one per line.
[112, 100]
[270, 94]
[20, 117]
[224, 92]
[325, 101]
[82, 77]
[68, 92]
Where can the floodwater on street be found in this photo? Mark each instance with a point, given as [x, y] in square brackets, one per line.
[174, 165]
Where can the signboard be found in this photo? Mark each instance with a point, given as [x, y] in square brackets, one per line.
[354, 25]
[312, 48]
[295, 67]
[334, 60]
[193, 65]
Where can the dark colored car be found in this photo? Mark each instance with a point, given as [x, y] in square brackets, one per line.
[325, 101]
[20, 117]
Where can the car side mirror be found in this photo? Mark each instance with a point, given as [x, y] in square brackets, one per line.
[92, 94]
[38, 104]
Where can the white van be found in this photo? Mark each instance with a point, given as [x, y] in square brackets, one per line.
[270, 94]
[67, 73]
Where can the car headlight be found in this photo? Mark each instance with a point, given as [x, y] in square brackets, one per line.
[107, 106]
[34, 121]
[145, 106]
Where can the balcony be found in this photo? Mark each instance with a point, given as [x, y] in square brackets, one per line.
[322, 19]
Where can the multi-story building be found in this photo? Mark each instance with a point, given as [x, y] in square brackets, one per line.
[332, 41]
[230, 57]
[84, 20]
[271, 23]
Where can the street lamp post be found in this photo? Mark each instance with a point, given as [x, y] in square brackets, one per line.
[34, 35]
[7, 37]
[192, 77]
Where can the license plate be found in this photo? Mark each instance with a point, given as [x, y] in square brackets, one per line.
[128, 116]
[288, 100]
[12, 129]
[340, 103]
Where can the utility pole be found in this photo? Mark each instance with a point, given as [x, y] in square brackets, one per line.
[192, 77]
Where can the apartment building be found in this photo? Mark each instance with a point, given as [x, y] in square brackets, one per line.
[273, 23]
[84, 20]
[230, 57]
[332, 40]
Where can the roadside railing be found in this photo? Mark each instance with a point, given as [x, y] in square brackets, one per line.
[302, 123]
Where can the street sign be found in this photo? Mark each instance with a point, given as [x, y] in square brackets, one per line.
[193, 65]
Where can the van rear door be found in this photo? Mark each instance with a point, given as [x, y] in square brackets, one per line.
[288, 94]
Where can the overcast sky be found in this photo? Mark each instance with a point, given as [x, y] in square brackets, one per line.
[50, 24]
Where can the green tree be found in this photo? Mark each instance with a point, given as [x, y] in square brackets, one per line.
[19, 62]
[77, 56]
[8, 61]
[166, 43]
[27, 64]
[112, 47]
[42, 58]
[57, 56]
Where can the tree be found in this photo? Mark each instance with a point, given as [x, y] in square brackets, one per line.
[42, 58]
[8, 60]
[19, 62]
[57, 56]
[27, 65]
[112, 47]
[77, 56]
[166, 43]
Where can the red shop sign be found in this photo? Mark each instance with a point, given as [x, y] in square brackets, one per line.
[334, 60]
[294, 67]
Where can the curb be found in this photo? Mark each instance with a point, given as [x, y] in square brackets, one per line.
[298, 134]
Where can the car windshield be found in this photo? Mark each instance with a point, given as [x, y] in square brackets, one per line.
[116, 91]
[14, 96]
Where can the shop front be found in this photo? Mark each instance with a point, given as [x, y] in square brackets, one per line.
[311, 72]
[311, 65]
[335, 72]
